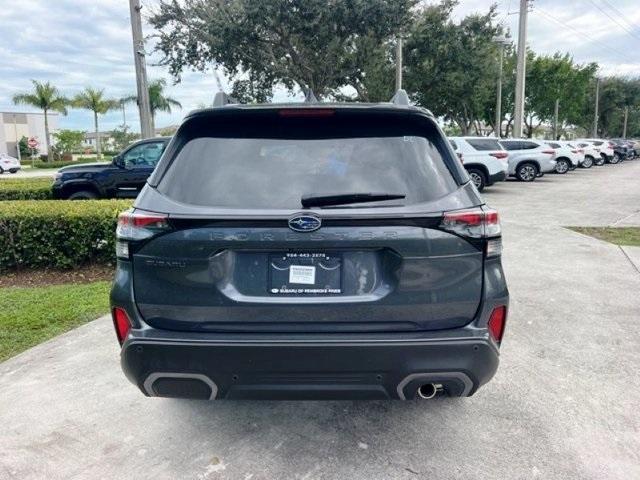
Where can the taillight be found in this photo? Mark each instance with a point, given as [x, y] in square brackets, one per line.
[549, 152]
[500, 155]
[611, 145]
[473, 223]
[121, 323]
[575, 151]
[581, 150]
[137, 225]
[497, 322]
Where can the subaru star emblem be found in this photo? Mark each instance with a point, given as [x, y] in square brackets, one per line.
[304, 223]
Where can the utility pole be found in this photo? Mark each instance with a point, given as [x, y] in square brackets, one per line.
[626, 117]
[555, 119]
[521, 69]
[595, 116]
[141, 70]
[124, 116]
[398, 63]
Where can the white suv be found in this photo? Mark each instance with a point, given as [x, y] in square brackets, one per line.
[9, 164]
[605, 147]
[484, 159]
[567, 156]
[529, 158]
[591, 153]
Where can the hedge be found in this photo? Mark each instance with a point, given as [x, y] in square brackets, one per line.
[64, 163]
[25, 188]
[58, 233]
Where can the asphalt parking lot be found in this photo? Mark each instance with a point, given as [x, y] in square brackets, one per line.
[564, 404]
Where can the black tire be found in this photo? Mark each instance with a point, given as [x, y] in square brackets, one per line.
[1, 171]
[562, 166]
[599, 161]
[478, 178]
[13, 170]
[527, 172]
[615, 159]
[83, 195]
[588, 162]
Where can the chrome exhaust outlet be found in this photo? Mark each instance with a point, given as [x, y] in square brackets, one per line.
[429, 390]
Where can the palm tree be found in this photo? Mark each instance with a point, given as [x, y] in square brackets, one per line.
[93, 99]
[47, 98]
[158, 102]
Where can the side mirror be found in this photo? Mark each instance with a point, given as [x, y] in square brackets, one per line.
[118, 161]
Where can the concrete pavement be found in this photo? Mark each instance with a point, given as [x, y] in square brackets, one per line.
[564, 404]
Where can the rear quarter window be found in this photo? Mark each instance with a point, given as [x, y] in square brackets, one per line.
[484, 144]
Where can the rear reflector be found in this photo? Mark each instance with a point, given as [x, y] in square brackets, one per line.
[474, 223]
[499, 155]
[307, 112]
[497, 322]
[121, 323]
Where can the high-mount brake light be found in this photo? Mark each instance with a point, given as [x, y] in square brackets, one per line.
[137, 225]
[307, 112]
[472, 223]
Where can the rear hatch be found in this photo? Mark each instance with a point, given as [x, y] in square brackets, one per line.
[238, 252]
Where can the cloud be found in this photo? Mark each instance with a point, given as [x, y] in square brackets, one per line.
[76, 43]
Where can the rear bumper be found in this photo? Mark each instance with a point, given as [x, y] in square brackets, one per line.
[307, 369]
[497, 177]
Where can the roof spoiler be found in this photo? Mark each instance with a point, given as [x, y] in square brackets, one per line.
[221, 99]
[400, 97]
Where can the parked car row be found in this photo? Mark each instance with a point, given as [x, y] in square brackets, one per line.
[491, 160]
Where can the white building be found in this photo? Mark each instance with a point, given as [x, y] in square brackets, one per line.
[15, 125]
[107, 141]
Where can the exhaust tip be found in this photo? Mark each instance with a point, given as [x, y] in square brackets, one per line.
[428, 390]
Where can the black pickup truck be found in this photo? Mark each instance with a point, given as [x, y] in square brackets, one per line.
[124, 177]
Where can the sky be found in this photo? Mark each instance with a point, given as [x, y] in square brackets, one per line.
[78, 43]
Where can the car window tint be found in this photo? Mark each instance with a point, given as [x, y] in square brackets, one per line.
[263, 173]
[484, 144]
[510, 145]
[553, 145]
[144, 156]
[528, 145]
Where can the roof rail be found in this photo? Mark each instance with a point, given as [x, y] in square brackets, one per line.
[221, 99]
[309, 96]
[400, 97]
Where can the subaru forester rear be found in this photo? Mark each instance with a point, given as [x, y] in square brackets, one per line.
[311, 251]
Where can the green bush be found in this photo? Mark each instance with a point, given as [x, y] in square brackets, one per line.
[25, 189]
[64, 163]
[58, 233]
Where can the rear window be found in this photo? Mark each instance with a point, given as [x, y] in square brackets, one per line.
[553, 145]
[265, 173]
[484, 144]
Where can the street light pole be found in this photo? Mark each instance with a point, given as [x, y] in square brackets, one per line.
[595, 116]
[501, 41]
[626, 117]
[141, 69]
[521, 69]
[555, 119]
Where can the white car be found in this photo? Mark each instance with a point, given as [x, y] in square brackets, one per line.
[591, 153]
[605, 147]
[567, 156]
[529, 158]
[484, 159]
[9, 163]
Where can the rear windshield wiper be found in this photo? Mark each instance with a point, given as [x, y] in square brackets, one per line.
[315, 200]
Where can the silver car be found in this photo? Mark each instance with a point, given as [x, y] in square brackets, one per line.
[529, 158]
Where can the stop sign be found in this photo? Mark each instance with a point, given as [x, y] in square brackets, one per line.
[32, 142]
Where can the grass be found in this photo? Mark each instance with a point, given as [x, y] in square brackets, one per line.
[629, 236]
[31, 315]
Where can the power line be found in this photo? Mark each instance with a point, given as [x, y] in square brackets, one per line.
[614, 20]
[632, 25]
[581, 34]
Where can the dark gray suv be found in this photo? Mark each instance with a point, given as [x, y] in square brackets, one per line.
[309, 251]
